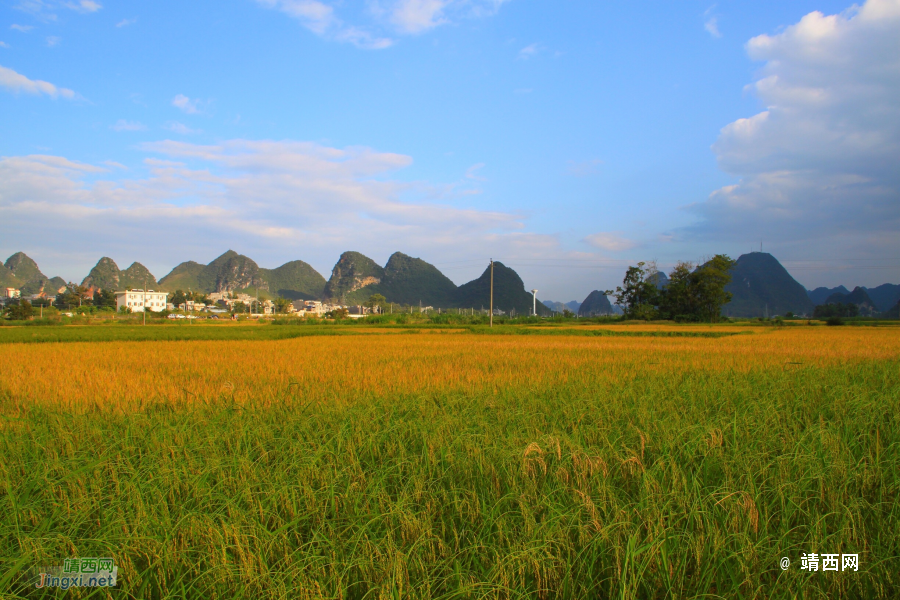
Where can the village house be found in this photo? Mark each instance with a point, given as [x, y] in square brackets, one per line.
[137, 300]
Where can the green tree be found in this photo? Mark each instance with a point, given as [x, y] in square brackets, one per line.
[376, 301]
[283, 305]
[840, 310]
[637, 296]
[339, 313]
[678, 300]
[178, 298]
[20, 311]
[104, 298]
[73, 295]
[710, 280]
[239, 307]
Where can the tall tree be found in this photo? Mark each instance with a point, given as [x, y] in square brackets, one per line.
[178, 298]
[637, 296]
[376, 301]
[282, 305]
[710, 280]
[678, 300]
[20, 311]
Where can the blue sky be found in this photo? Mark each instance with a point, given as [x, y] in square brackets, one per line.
[567, 139]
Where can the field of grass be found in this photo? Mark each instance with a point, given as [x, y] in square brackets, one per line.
[432, 463]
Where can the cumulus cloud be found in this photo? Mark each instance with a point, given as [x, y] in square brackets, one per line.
[126, 22]
[819, 165]
[611, 241]
[387, 18]
[53, 41]
[4, 45]
[15, 82]
[22, 28]
[123, 125]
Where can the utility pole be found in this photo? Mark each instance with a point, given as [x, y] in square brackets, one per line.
[534, 303]
[492, 292]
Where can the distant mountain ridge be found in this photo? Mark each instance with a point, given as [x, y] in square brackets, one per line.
[559, 307]
[858, 296]
[883, 297]
[820, 294]
[509, 292]
[106, 276]
[596, 304]
[232, 272]
[760, 285]
[408, 280]
[21, 272]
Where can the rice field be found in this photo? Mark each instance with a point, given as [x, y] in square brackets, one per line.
[455, 463]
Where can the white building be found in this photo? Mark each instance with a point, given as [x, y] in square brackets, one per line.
[136, 300]
[12, 293]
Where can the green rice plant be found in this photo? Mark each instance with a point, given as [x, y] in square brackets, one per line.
[655, 467]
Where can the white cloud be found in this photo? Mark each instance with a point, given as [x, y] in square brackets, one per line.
[84, 6]
[319, 18]
[22, 28]
[298, 199]
[711, 25]
[126, 22]
[181, 128]
[123, 125]
[188, 106]
[711, 22]
[819, 165]
[45, 9]
[472, 172]
[529, 51]
[609, 240]
[53, 41]
[418, 16]
[403, 17]
[4, 45]
[16, 83]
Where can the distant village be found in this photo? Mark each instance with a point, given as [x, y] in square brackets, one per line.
[216, 303]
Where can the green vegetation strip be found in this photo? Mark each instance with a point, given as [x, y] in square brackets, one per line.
[658, 486]
[136, 333]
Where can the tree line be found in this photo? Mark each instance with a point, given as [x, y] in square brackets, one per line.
[694, 292]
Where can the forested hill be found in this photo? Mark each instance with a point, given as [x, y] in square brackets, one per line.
[760, 285]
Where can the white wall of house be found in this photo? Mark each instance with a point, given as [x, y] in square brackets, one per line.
[137, 300]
